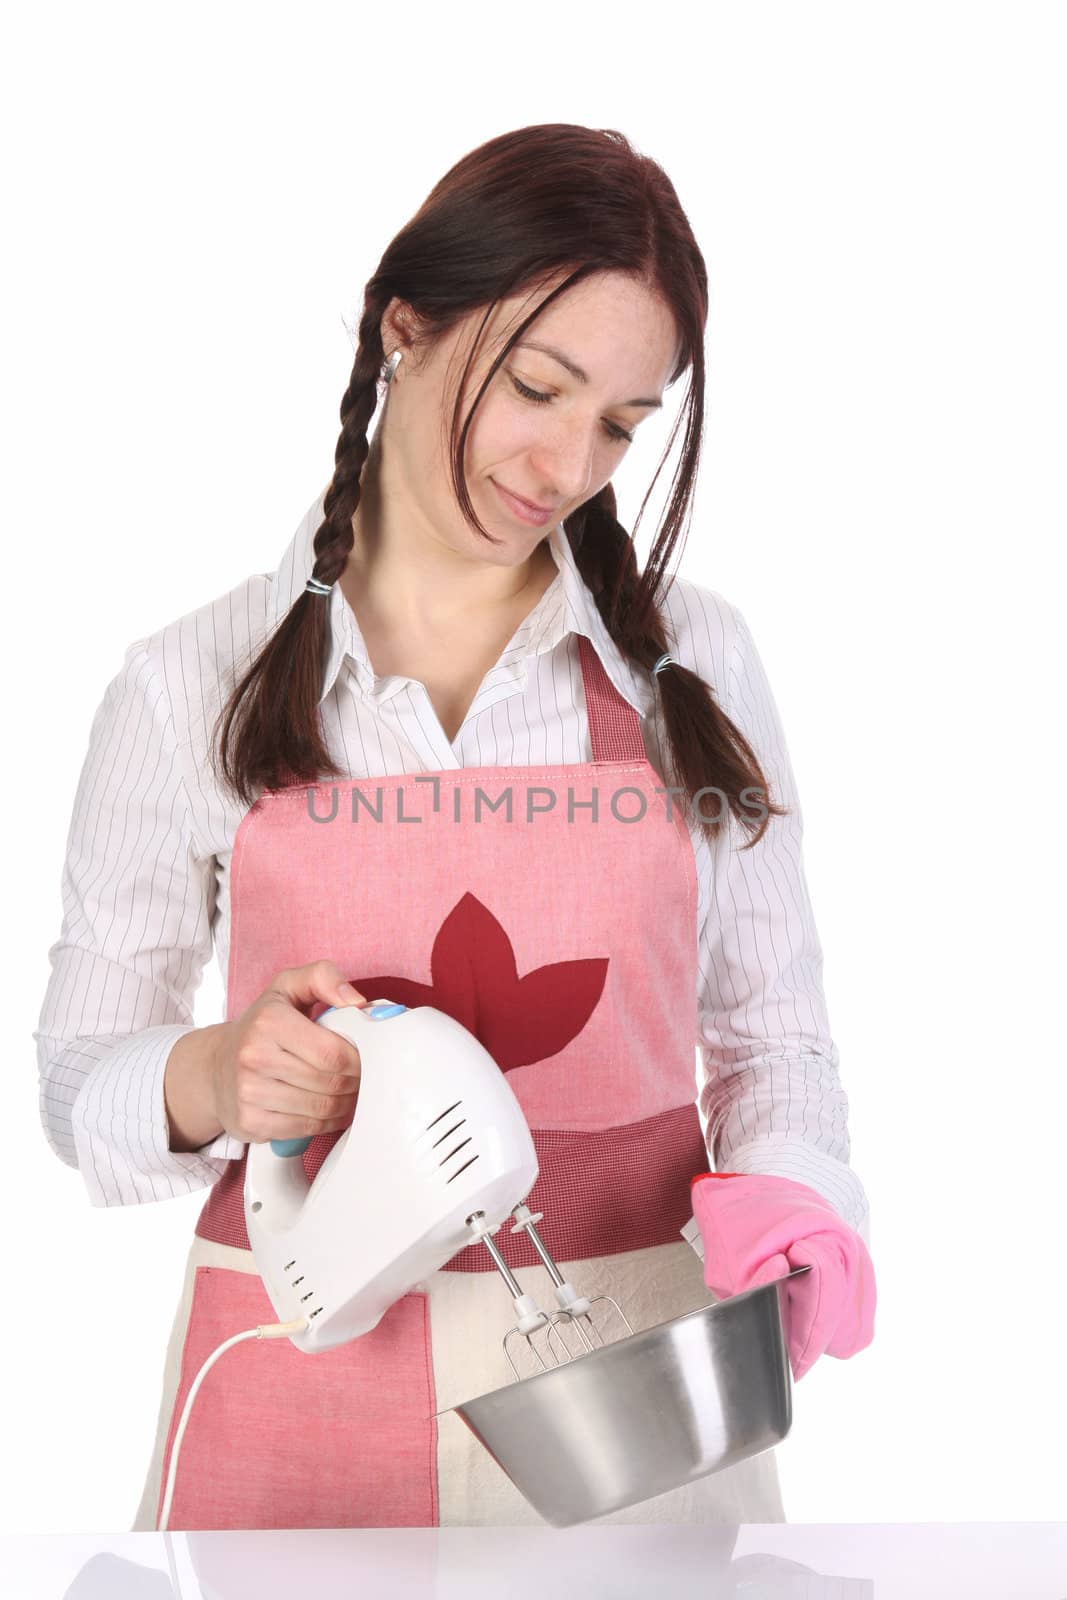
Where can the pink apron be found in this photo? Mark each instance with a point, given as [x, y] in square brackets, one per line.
[552, 911]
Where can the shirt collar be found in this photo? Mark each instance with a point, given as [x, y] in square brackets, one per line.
[567, 606]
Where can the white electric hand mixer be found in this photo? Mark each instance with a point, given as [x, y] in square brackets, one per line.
[438, 1155]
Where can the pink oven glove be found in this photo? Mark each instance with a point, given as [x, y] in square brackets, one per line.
[757, 1229]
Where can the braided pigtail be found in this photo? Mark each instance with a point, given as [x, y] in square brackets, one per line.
[706, 749]
[275, 708]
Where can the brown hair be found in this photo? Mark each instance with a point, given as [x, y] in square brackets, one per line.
[509, 216]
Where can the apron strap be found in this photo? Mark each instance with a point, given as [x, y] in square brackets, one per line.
[614, 726]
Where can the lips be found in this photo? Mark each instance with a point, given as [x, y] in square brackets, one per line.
[544, 511]
[525, 510]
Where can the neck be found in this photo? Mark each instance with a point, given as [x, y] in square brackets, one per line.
[404, 576]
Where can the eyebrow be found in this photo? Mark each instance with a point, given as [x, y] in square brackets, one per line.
[577, 372]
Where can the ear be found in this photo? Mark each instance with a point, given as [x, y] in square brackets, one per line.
[400, 329]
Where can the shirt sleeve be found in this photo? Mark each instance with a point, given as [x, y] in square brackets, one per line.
[138, 900]
[770, 1091]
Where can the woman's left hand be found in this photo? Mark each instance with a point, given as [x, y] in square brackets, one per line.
[757, 1229]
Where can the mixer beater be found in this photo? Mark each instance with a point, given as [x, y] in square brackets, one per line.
[574, 1309]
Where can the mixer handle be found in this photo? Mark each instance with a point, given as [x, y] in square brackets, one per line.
[378, 1011]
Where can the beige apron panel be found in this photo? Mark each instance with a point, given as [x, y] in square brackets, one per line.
[469, 1314]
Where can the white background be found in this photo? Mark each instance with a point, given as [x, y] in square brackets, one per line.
[195, 197]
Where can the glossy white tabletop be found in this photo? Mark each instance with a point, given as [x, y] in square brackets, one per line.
[767, 1561]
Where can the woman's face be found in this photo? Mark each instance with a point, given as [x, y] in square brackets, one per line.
[555, 452]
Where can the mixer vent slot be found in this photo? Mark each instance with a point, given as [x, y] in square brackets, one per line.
[310, 1295]
[455, 1151]
[453, 1126]
[293, 1282]
[444, 1113]
[451, 1130]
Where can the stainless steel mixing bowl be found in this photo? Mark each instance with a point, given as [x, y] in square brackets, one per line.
[646, 1414]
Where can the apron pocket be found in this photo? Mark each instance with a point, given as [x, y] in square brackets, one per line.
[280, 1439]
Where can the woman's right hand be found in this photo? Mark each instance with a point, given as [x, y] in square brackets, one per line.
[278, 1075]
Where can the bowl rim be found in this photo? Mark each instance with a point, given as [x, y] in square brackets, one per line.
[630, 1339]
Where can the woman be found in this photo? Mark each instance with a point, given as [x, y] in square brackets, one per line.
[461, 614]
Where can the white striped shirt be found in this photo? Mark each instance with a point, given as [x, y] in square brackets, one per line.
[145, 884]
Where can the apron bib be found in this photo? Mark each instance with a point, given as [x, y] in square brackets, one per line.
[552, 911]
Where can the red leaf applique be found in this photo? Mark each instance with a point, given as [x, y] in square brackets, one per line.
[475, 980]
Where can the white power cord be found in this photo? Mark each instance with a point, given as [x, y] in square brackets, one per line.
[270, 1330]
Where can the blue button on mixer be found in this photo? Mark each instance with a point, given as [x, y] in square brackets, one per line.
[382, 1009]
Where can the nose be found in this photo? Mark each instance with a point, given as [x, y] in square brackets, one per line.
[563, 457]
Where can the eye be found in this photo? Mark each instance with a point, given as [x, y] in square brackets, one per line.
[612, 429]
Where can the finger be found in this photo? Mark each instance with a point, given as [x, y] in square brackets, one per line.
[315, 1051]
[316, 981]
[272, 1097]
[287, 1125]
[285, 1083]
